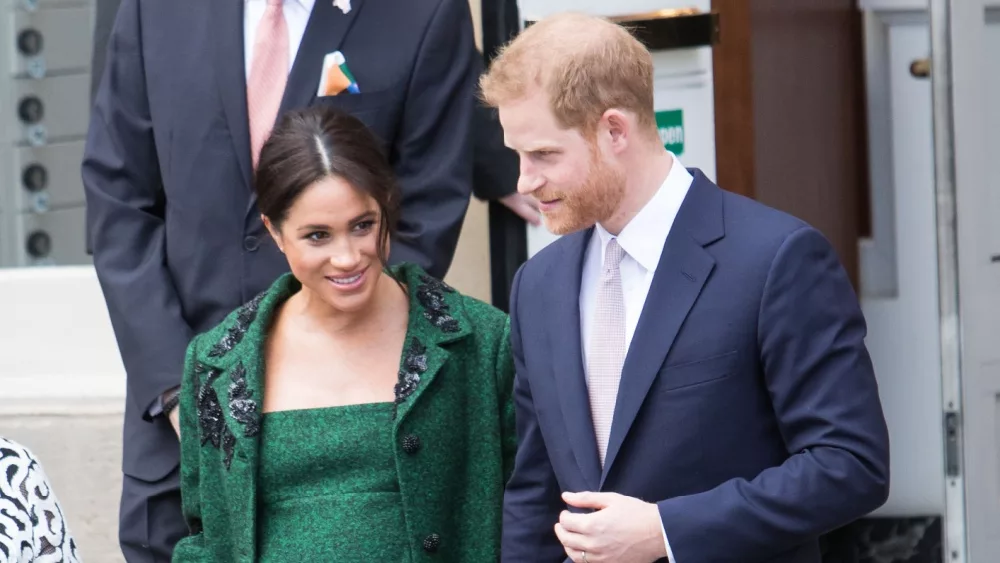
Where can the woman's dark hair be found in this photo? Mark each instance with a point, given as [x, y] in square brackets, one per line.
[318, 142]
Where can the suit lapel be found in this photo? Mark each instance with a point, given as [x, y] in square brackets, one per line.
[684, 268]
[325, 33]
[227, 16]
[567, 356]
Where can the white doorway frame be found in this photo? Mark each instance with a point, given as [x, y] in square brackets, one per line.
[963, 73]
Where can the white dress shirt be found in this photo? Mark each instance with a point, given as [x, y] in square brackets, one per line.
[642, 240]
[296, 16]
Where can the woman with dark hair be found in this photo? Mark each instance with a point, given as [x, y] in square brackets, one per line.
[353, 411]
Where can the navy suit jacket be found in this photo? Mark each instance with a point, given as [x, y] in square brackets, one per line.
[748, 408]
[177, 238]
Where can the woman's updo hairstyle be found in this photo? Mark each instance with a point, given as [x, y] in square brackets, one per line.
[318, 142]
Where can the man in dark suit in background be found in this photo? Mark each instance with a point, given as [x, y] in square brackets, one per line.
[185, 97]
[692, 379]
[494, 167]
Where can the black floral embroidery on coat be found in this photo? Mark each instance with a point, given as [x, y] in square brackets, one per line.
[209, 409]
[243, 409]
[245, 316]
[241, 406]
[414, 364]
[210, 417]
[228, 444]
[431, 296]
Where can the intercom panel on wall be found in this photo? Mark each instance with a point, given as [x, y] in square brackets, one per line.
[47, 45]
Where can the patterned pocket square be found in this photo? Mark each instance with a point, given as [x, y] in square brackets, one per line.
[336, 77]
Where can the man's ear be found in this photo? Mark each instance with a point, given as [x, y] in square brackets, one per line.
[618, 127]
[275, 233]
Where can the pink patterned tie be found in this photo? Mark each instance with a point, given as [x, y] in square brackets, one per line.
[268, 75]
[607, 346]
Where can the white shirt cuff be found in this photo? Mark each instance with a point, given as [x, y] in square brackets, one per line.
[670, 553]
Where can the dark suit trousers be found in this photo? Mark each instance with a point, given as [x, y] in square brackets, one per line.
[151, 520]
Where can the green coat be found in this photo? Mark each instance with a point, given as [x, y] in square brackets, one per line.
[454, 395]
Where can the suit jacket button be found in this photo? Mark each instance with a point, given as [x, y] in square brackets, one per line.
[432, 543]
[411, 444]
[251, 243]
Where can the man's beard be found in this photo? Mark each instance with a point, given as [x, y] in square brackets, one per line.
[595, 201]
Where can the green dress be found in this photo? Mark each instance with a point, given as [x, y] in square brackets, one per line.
[328, 488]
[453, 442]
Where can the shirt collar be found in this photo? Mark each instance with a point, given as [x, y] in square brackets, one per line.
[644, 236]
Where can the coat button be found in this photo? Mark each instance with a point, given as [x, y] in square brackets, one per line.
[194, 526]
[251, 243]
[411, 444]
[432, 543]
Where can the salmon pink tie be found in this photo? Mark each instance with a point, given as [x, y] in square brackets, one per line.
[268, 75]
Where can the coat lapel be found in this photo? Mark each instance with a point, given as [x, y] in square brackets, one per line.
[684, 268]
[227, 16]
[567, 356]
[437, 319]
[231, 401]
[325, 33]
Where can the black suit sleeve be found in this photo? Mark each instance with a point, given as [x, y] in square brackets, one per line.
[104, 21]
[125, 218]
[432, 155]
[496, 167]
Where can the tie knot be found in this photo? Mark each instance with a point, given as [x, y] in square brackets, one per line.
[613, 254]
[275, 3]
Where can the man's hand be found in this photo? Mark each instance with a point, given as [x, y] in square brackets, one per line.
[622, 530]
[175, 421]
[524, 206]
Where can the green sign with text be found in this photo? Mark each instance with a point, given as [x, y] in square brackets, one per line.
[670, 124]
